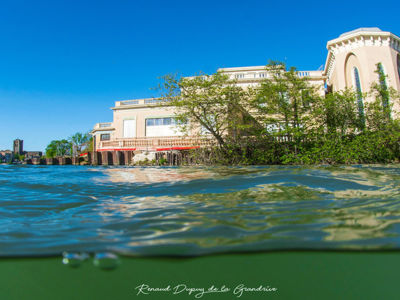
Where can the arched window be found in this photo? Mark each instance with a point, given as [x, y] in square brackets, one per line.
[382, 76]
[357, 85]
[382, 82]
[398, 65]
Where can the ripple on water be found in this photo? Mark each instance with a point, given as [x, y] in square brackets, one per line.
[196, 211]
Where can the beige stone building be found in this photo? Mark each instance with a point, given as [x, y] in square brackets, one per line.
[352, 60]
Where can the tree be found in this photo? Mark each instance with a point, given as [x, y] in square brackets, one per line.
[79, 140]
[88, 146]
[378, 111]
[284, 99]
[208, 103]
[337, 112]
[58, 148]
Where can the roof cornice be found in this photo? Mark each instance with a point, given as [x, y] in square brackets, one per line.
[356, 39]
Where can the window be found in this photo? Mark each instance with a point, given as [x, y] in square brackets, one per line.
[357, 84]
[167, 126]
[238, 76]
[272, 128]
[129, 128]
[382, 82]
[382, 76]
[105, 137]
[398, 65]
[160, 121]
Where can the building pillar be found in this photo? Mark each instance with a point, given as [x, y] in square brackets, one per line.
[75, 160]
[128, 157]
[98, 160]
[116, 158]
[89, 158]
[104, 158]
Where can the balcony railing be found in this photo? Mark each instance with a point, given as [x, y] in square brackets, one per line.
[148, 101]
[103, 125]
[259, 76]
[157, 142]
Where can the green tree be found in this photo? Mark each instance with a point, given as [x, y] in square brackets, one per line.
[208, 103]
[19, 157]
[284, 99]
[79, 140]
[379, 110]
[337, 112]
[88, 146]
[58, 148]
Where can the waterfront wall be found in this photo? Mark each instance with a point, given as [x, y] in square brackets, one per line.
[117, 158]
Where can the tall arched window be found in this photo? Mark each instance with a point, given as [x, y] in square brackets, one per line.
[357, 85]
[382, 76]
[383, 86]
[398, 65]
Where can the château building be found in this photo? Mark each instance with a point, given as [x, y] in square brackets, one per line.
[352, 60]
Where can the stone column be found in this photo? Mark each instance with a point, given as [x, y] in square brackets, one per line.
[104, 158]
[116, 158]
[128, 157]
[61, 161]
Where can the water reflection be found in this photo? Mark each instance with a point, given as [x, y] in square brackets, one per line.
[150, 175]
[193, 211]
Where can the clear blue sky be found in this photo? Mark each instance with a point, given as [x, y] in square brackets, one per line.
[63, 63]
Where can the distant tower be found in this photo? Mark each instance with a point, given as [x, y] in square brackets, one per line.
[18, 147]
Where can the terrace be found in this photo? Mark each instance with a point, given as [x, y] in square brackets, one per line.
[156, 143]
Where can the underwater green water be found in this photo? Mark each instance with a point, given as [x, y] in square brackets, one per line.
[296, 275]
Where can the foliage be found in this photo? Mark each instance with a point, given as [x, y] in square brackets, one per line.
[88, 147]
[19, 157]
[212, 104]
[79, 141]
[284, 99]
[285, 120]
[380, 111]
[58, 148]
[337, 112]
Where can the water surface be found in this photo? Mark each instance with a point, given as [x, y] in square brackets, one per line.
[45, 210]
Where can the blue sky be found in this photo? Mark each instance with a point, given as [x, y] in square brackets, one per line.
[64, 63]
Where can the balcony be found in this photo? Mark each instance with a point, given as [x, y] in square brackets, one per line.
[139, 102]
[156, 143]
[310, 74]
[103, 126]
[259, 73]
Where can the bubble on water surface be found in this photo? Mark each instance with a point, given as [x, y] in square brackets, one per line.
[73, 259]
[106, 261]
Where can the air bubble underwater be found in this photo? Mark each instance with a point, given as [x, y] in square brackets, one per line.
[106, 261]
[74, 260]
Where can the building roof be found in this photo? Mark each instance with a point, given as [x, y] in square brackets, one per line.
[362, 29]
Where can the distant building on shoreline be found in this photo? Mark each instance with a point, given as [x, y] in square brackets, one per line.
[18, 149]
[18, 146]
[33, 154]
[352, 61]
[6, 156]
